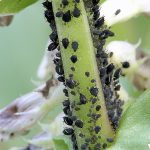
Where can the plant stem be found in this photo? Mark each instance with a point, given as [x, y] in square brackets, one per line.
[78, 30]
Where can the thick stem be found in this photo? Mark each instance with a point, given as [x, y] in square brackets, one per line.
[89, 113]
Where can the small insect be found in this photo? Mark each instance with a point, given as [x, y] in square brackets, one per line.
[76, 12]
[70, 83]
[125, 64]
[95, 2]
[65, 92]
[47, 4]
[83, 99]
[59, 14]
[98, 107]
[66, 16]
[110, 68]
[94, 8]
[87, 74]
[52, 46]
[110, 140]
[68, 131]
[53, 36]
[84, 146]
[94, 91]
[65, 2]
[68, 121]
[79, 123]
[117, 88]
[74, 45]
[117, 12]
[61, 79]
[59, 69]
[72, 68]
[74, 58]
[66, 110]
[99, 22]
[117, 73]
[102, 72]
[97, 129]
[65, 42]
[66, 103]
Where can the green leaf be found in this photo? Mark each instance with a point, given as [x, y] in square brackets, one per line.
[62, 143]
[14, 6]
[134, 131]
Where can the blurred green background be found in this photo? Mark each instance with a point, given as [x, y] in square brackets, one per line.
[22, 46]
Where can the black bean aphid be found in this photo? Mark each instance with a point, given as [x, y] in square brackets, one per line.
[66, 103]
[52, 46]
[93, 100]
[74, 58]
[47, 4]
[97, 129]
[59, 69]
[79, 123]
[61, 79]
[117, 12]
[65, 2]
[94, 91]
[117, 88]
[110, 140]
[53, 36]
[68, 131]
[110, 68]
[84, 146]
[65, 42]
[66, 110]
[59, 14]
[74, 45]
[98, 107]
[95, 2]
[66, 16]
[99, 22]
[83, 99]
[76, 12]
[68, 121]
[65, 92]
[117, 73]
[70, 83]
[87, 74]
[125, 64]
[102, 72]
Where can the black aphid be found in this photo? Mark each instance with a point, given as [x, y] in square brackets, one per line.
[76, 12]
[117, 73]
[117, 11]
[74, 45]
[102, 72]
[53, 36]
[66, 16]
[65, 42]
[93, 100]
[104, 145]
[99, 22]
[97, 146]
[66, 103]
[61, 78]
[117, 88]
[70, 83]
[68, 121]
[74, 58]
[95, 2]
[72, 68]
[47, 4]
[79, 123]
[84, 146]
[59, 14]
[94, 91]
[110, 68]
[65, 2]
[126, 64]
[83, 99]
[110, 140]
[52, 46]
[97, 129]
[66, 110]
[68, 131]
[65, 92]
[98, 107]
[87, 74]
[59, 69]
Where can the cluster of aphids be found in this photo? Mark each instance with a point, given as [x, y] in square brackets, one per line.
[109, 73]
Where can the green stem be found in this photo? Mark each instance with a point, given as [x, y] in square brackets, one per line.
[78, 30]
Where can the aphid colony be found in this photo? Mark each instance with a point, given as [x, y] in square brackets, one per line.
[108, 73]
